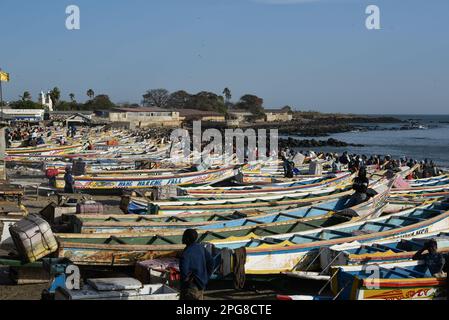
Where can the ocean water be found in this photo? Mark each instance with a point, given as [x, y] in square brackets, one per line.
[431, 143]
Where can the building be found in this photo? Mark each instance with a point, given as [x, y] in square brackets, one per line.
[240, 115]
[45, 100]
[200, 115]
[146, 117]
[78, 119]
[277, 115]
[32, 115]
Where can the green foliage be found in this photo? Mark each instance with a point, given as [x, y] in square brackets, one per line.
[90, 93]
[156, 98]
[252, 103]
[179, 100]
[55, 95]
[26, 96]
[227, 94]
[25, 104]
[100, 102]
[208, 101]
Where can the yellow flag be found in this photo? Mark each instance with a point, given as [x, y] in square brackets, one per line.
[4, 76]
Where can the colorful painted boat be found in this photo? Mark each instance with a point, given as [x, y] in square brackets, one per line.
[128, 182]
[139, 205]
[49, 150]
[409, 280]
[236, 191]
[386, 251]
[323, 209]
[125, 249]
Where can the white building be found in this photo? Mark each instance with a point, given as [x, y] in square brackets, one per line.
[146, 117]
[23, 114]
[45, 100]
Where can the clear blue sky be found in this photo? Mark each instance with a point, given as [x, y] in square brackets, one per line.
[314, 54]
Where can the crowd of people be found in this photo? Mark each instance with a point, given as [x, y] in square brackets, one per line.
[28, 135]
[424, 169]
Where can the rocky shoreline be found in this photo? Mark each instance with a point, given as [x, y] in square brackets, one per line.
[312, 143]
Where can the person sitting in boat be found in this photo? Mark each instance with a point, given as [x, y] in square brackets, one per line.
[336, 166]
[434, 261]
[434, 169]
[69, 181]
[195, 265]
[288, 167]
[360, 186]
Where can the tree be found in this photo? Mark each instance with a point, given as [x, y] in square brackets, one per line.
[252, 103]
[72, 97]
[101, 101]
[55, 95]
[25, 96]
[156, 98]
[287, 109]
[208, 101]
[90, 93]
[25, 104]
[227, 94]
[179, 100]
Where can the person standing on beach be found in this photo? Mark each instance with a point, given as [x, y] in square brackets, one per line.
[69, 181]
[196, 267]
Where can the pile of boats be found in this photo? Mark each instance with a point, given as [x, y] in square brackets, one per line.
[302, 227]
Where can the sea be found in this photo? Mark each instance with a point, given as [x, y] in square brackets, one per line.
[431, 141]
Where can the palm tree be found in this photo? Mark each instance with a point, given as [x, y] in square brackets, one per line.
[227, 94]
[26, 96]
[90, 93]
[55, 95]
[72, 97]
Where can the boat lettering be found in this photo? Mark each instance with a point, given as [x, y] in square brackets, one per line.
[149, 183]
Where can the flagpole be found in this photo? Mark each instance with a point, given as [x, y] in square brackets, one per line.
[1, 96]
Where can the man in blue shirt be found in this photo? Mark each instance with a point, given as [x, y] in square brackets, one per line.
[69, 182]
[196, 266]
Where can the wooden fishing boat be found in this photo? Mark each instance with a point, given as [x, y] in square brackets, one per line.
[125, 249]
[136, 182]
[429, 182]
[236, 191]
[319, 209]
[409, 280]
[143, 206]
[354, 253]
[393, 250]
[42, 150]
[140, 205]
[287, 252]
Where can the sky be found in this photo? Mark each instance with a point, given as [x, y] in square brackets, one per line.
[309, 54]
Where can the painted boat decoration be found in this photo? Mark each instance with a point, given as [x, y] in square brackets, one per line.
[127, 182]
[409, 280]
